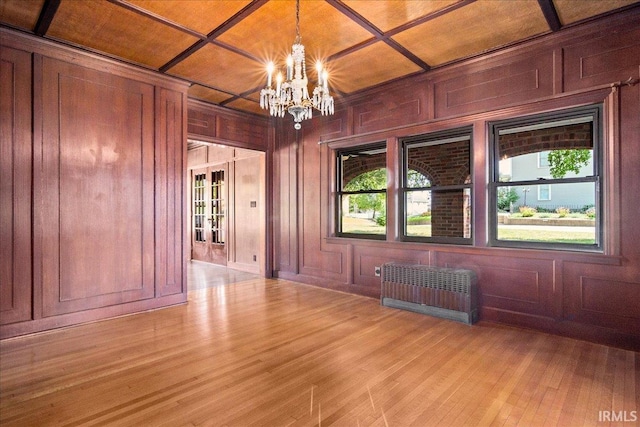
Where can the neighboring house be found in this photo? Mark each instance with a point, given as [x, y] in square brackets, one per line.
[549, 196]
[418, 202]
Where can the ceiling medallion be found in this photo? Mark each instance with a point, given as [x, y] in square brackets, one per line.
[291, 94]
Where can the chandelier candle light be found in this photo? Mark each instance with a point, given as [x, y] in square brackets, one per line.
[291, 94]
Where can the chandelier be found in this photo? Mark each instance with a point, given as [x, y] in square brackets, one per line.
[291, 94]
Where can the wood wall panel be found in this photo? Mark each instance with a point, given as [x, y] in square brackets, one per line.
[604, 298]
[212, 123]
[315, 256]
[520, 286]
[515, 284]
[16, 146]
[310, 217]
[610, 297]
[605, 59]
[333, 126]
[201, 123]
[380, 111]
[628, 165]
[285, 196]
[170, 149]
[97, 189]
[88, 132]
[491, 87]
[246, 131]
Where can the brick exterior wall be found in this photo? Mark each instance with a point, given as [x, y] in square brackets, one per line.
[442, 164]
[578, 136]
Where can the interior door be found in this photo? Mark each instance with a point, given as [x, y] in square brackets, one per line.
[208, 210]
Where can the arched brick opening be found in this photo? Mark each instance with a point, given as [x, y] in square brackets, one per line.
[444, 165]
[577, 136]
[357, 165]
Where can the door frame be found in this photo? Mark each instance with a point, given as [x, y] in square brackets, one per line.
[206, 154]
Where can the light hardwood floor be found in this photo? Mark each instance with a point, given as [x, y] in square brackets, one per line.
[276, 353]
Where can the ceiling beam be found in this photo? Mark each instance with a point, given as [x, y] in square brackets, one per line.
[377, 33]
[428, 17]
[140, 11]
[352, 49]
[550, 14]
[49, 9]
[246, 11]
[400, 28]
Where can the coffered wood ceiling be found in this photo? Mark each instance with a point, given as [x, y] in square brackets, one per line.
[222, 46]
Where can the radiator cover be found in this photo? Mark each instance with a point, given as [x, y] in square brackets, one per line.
[443, 292]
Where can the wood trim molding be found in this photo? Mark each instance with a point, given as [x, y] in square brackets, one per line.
[72, 54]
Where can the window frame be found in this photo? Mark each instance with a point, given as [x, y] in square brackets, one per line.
[542, 165]
[595, 111]
[339, 192]
[548, 186]
[434, 138]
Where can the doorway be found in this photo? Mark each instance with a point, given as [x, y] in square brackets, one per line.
[226, 208]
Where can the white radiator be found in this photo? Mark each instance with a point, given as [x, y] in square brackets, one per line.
[443, 292]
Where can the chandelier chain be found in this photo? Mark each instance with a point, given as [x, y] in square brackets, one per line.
[298, 38]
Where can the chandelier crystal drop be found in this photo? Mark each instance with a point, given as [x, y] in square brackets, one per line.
[290, 93]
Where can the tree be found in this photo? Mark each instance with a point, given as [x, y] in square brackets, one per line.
[372, 180]
[563, 161]
[506, 196]
[417, 180]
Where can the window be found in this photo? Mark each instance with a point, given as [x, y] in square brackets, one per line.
[544, 192]
[570, 143]
[217, 207]
[543, 159]
[199, 207]
[436, 186]
[362, 192]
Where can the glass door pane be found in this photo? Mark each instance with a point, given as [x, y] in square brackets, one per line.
[217, 213]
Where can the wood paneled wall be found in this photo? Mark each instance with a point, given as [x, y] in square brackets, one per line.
[590, 296]
[99, 230]
[16, 288]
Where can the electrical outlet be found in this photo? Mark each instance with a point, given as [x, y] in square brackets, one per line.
[255, 257]
[377, 270]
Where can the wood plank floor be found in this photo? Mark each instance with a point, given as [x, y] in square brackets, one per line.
[276, 353]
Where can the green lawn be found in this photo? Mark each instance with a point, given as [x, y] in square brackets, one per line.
[531, 234]
[520, 233]
[361, 225]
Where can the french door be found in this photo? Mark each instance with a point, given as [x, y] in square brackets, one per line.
[208, 215]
